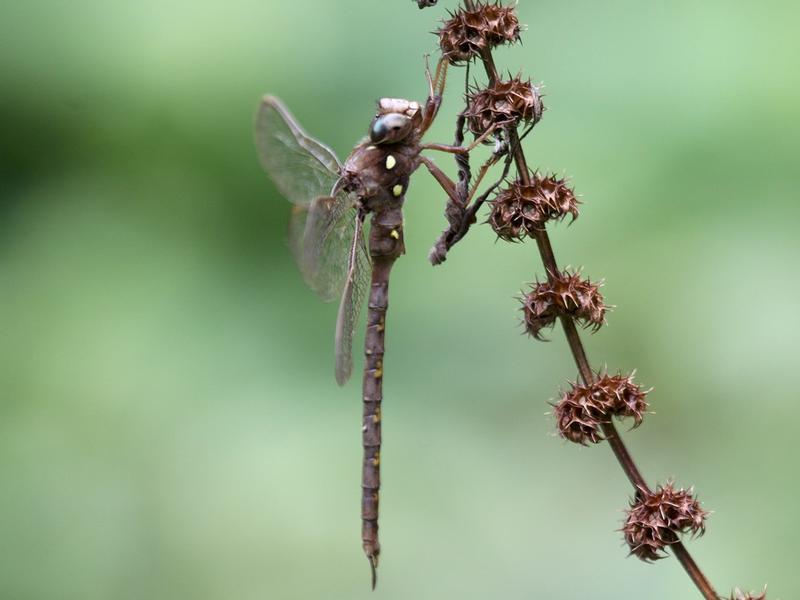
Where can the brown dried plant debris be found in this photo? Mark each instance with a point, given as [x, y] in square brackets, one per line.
[564, 294]
[518, 210]
[657, 519]
[469, 32]
[582, 410]
[507, 103]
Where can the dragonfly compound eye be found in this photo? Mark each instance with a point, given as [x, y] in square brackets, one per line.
[390, 128]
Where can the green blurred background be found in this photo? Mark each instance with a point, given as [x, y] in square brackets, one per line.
[170, 427]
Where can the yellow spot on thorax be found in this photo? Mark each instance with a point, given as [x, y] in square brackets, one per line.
[394, 234]
[391, 162]
[397, 190]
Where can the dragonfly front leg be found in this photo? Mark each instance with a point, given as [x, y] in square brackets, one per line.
[436, 85]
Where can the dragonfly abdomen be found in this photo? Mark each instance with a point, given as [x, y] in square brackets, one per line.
[385, 246]
[374, 348]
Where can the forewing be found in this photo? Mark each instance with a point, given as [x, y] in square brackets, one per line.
[306, 171]
[301, 167]
[355, 290]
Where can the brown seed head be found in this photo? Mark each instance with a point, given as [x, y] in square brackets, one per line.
[656, 520]
[738, 594]
[520, 209]
[506, 103]
[565, 294]
[469, 32]
[582, 409]
[579, 414]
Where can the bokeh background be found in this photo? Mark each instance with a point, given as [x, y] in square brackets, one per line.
[169, 424]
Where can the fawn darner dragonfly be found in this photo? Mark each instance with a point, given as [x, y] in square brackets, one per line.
[331, 202]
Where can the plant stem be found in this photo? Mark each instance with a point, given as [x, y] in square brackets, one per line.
[700, 580]
[579, 353]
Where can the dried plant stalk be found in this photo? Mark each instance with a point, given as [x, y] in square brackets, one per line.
[656, 518]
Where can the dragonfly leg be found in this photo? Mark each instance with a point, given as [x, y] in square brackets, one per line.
[475, 206]
[462, 216]
[493, 160]
[442, 179]
[436, 85]
[461, 149]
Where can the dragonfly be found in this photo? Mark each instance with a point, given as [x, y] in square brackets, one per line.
[327, 235]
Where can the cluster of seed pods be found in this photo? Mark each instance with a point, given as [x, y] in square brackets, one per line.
[656, 519]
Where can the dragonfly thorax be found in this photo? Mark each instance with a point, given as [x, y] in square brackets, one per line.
[379, 173]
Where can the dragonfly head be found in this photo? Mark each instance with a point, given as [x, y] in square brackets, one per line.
[395, 121]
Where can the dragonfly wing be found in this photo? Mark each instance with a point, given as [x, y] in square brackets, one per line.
[306, 171]
[297, 228]
[355, 290]
[302, 168]
[325, 231]
[325, 249]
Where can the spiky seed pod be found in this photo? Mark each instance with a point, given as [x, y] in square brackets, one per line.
[579, 414]
[624, 398]
[557, 195]
[738, 594]
[506, 103]
[518, 210]
[565, 294]
[469, 32]
[583, 409]
[656, 520]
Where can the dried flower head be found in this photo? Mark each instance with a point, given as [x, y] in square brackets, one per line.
[506, 103]
[738, 594]
[581, 411]
[564, 294]
[519, 210]
[579, 415]
[657, 519]
[469, 32]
